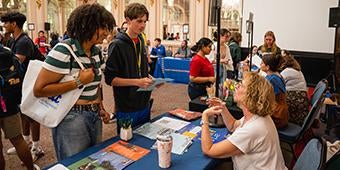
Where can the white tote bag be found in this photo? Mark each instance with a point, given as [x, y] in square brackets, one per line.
[48, 111]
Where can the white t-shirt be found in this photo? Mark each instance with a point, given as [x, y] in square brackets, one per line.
[212, 56]
[294, 80]
[258, 140]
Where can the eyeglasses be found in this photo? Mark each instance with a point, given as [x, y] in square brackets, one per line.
[93, 63]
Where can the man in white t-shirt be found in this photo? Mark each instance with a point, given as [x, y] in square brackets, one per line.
[254, 143]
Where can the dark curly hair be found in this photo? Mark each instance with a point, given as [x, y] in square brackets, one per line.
[17, 17]
[86, 19]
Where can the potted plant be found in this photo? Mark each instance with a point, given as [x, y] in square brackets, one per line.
[125, 129]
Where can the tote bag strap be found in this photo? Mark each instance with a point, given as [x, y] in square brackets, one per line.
[73, 54]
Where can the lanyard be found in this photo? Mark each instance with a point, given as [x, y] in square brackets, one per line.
[139, 56]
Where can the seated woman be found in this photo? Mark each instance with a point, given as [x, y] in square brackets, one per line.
[183, 51]
[201, 70]
[254, 143]
[269, 45]
[270, 65]
[297, 99]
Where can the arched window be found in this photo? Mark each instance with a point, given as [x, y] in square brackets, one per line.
[175, 19]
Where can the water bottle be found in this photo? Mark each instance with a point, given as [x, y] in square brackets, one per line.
[164, 146]
[240, 72]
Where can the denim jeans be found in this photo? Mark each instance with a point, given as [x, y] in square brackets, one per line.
[76, 132]
[138, 117]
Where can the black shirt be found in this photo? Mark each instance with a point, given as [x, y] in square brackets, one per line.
[123, 63]
[23, 45]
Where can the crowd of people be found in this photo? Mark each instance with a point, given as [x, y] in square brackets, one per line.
[268, 99]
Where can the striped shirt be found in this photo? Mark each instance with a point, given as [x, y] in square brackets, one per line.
[58, 61]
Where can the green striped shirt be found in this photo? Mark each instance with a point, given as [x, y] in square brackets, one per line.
[58, 61]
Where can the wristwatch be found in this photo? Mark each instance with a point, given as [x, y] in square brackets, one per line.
[79, 83]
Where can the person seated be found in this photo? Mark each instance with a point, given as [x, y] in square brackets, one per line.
[269, 45]
[201, 70]
[183, 51]
[296, 86]
[159, 49]
[270, 65]
[254, 141]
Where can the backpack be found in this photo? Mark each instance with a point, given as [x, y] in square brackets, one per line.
[11, 76]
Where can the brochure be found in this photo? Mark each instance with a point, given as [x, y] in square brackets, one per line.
[58, 167]
[180, 143]
[195, 131]
[156, 82]
[151, 130]
[103, 159]
[128, 150]
[171, 123]
[116, 156]
[185, 114]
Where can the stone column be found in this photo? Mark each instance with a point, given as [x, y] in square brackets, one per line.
[62, 19]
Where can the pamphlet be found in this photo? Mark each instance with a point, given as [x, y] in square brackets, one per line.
[128, 150]
[190, 130]
[151, 130]
[156, 82]
[180, 143]
[116, 156]
[171, 123]
[185, 114]
[103, 159]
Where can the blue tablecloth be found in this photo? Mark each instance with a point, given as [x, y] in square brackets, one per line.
[193, 159]
[174, 68]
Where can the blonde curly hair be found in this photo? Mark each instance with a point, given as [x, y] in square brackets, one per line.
[259, 98]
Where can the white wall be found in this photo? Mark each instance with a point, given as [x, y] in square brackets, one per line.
[300, 25]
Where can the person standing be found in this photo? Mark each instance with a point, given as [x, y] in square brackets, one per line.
[82, 126]
[127, 68]
[42, 43]
[10, 121]
[23, 48]
[201, 72]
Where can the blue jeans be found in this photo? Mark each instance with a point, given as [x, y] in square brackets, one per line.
[138, 118]
[76, 132]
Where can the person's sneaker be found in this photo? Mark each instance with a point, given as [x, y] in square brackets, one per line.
[37, 153]
[12, 151]
[36, 167]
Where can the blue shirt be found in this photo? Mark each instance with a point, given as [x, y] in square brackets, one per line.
[158, 51]
[277, 83]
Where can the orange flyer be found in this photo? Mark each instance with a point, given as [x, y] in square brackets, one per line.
[128, 150]
[185, 114]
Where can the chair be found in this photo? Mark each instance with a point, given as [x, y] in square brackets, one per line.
[313, 156]
[318, 90]
[293, 133]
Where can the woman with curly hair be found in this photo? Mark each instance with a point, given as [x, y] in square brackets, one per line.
[81, 128]
[254, 142]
